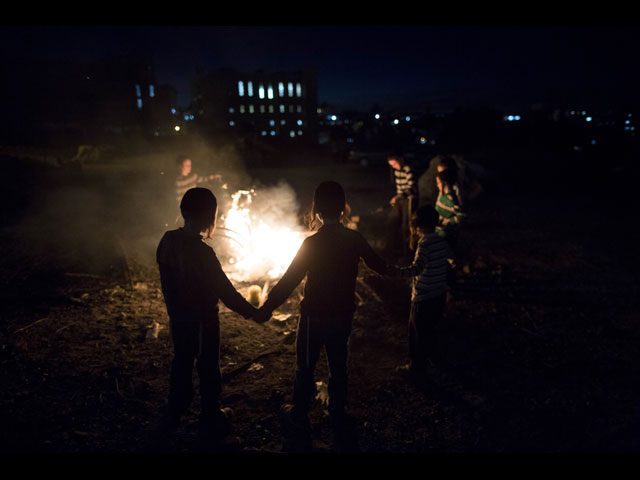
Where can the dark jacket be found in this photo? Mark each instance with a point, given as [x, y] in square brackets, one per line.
[329, 260]
[193, 280]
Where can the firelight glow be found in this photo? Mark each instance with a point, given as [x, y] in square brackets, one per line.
[260, 249]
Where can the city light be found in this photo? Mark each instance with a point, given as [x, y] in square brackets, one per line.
[407, 118]
[377, 116]
[177, 128]
[588, 119]
[396, 121]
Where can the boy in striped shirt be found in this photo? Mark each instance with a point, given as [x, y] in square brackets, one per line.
[448, 207]
[403, 204]
[429, 270]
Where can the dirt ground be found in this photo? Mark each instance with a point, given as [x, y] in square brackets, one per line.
[541, 338]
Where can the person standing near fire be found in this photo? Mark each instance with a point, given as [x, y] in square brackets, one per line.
[329, 260]
[429, 271]
[403, 204]
[187, 178]
[192, 282]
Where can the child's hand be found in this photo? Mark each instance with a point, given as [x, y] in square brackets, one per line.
[262, 315]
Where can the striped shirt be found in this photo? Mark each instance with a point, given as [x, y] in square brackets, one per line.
[187, 182]
[405, 181]
[450, 212]
[429, 268]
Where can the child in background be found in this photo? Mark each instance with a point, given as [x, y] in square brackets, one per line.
[448, 207]
[429, 290]
[329, 260]
[192, 283]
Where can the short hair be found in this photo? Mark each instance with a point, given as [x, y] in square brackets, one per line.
[329, 199]
[448, 176]
[448, 162]
[181, 158]
[199, 205]
[426, 217]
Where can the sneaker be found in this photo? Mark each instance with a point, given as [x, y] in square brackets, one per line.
[295, 428]
[217, 428]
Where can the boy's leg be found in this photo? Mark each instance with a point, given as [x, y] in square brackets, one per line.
[208, 366]
[308, 344]
[417, 355]
[180, 380]
[337, 347]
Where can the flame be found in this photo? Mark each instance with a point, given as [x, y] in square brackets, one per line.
[260, 246]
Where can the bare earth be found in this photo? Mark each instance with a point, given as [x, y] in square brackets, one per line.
[541, 336]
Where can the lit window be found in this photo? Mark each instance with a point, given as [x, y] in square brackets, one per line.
[627, 122]
[299, 132]
[333, 117]
[396, 121]
[423, 140]
[270, 92]
[251, 109]
[270, 108]
[290, 89]
[299, 122]
[261, 91]
[298, 90]
[281, 89]
[231, 123]
[241, 108]
[407, 118]
[139, 103]
[292, 134]
[231, 110]
[377, 116]
[272, 122]
[283, 122]
[588, 119]
[138, 92]
[264, 133]
[273, 133]
[152, 92]
[177, 128]
[190, 117]
[186, 117]
[281, 108]
[250, 89]
[240, 88]
[173, 111]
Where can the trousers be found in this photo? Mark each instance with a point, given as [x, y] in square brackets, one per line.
[199, 343]
[424, 320]
[314, 333]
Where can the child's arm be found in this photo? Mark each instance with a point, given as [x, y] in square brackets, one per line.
[371, 258]
[227, 292]
[289, 281]
[416, 268]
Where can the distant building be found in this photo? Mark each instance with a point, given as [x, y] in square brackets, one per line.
[83, 101]
[278, 106]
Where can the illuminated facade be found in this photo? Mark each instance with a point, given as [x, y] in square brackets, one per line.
[279, 106]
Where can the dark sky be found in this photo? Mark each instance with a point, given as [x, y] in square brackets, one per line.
[391, 65]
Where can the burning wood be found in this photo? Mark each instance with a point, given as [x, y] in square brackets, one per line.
[260, 237]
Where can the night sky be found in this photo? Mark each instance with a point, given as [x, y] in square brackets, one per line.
[357, 66]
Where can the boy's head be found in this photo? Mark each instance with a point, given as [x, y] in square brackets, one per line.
[447, 163]
[395, 159]
[425, 219]
[447, 176]
[199, 208]
[329, 200]
[183, 163]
